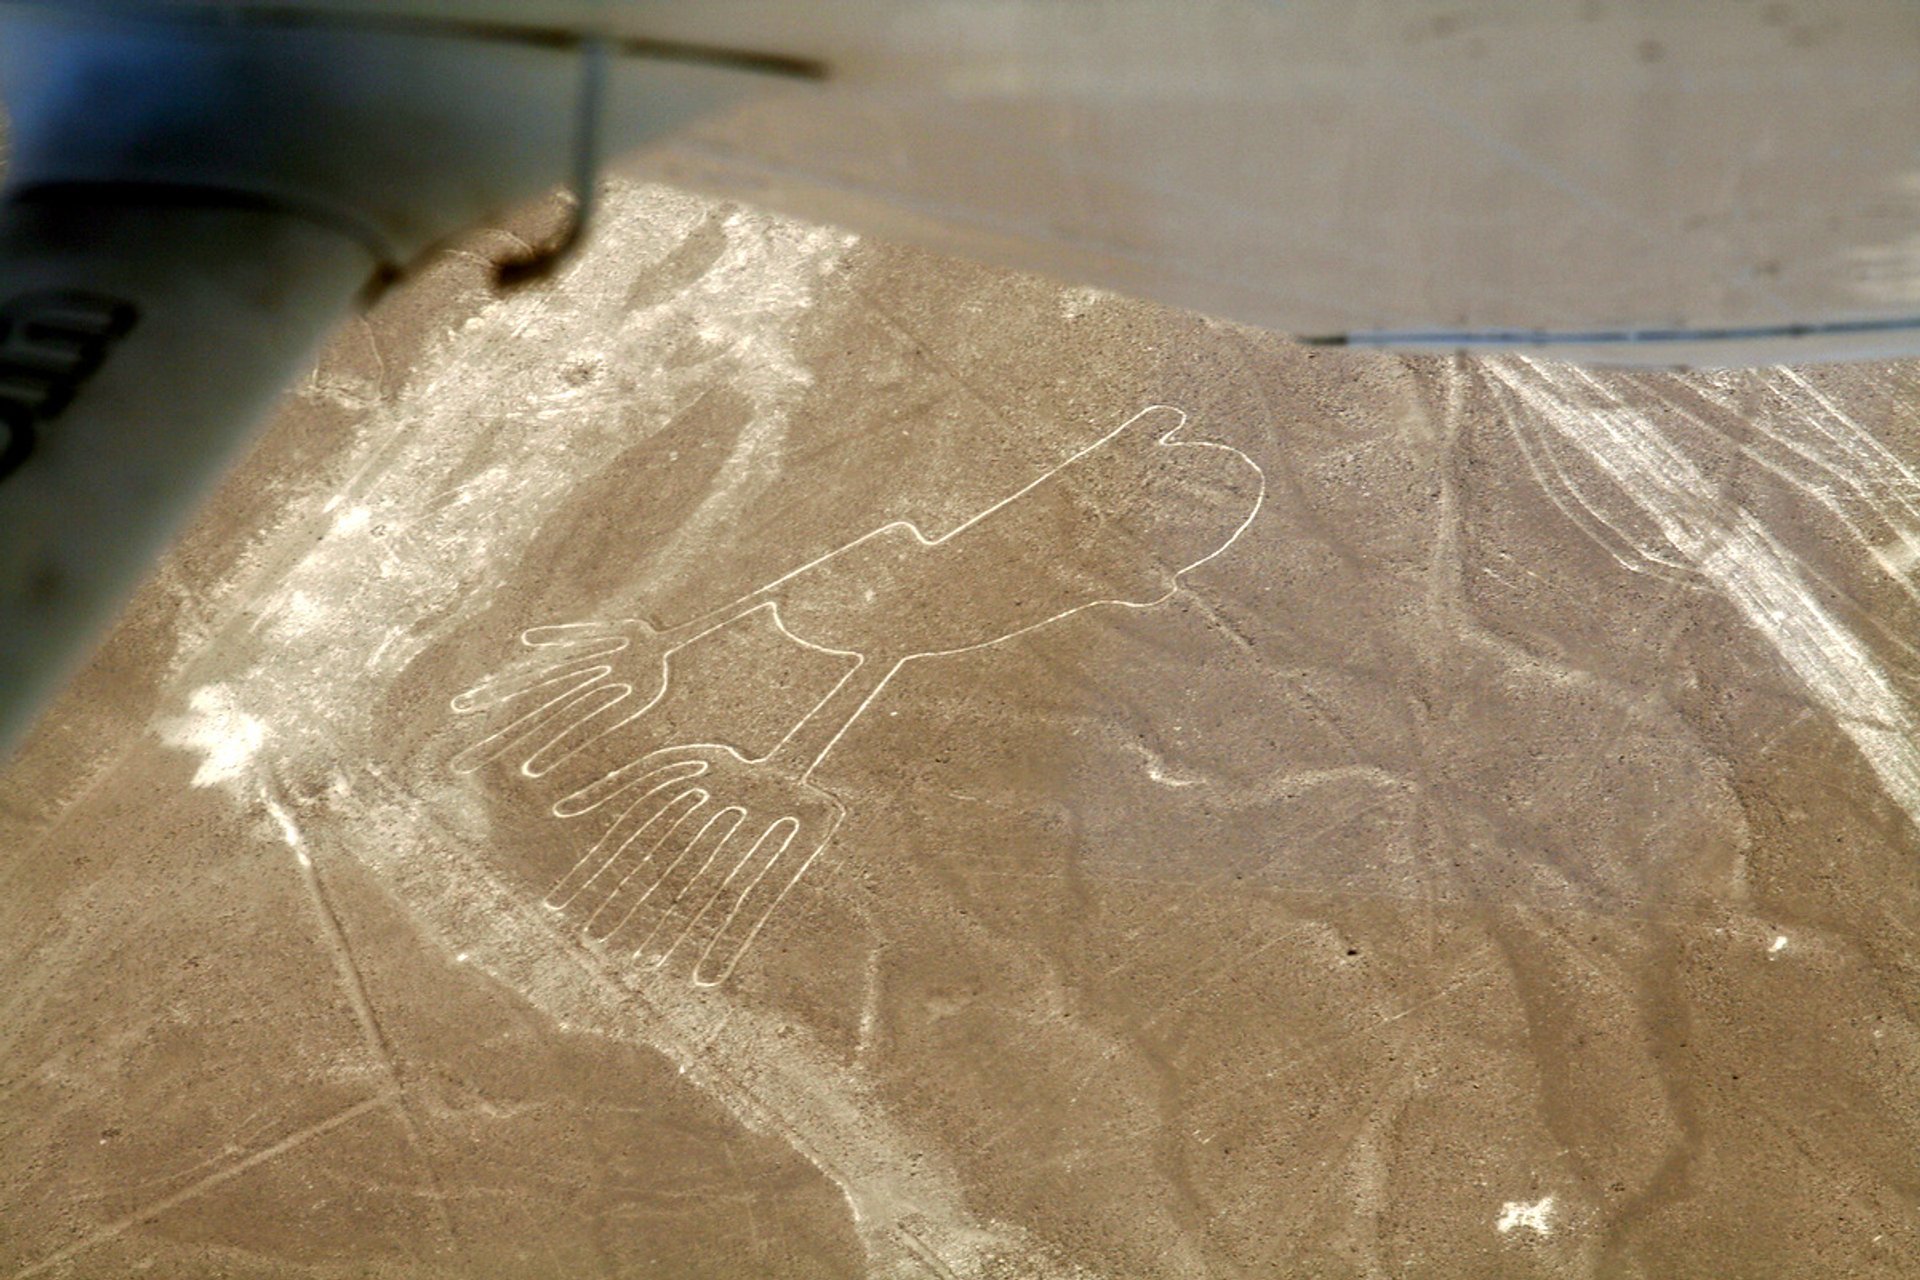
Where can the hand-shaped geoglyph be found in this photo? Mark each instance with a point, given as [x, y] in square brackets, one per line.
[700, 843]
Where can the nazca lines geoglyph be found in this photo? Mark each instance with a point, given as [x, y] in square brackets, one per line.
[700, 843]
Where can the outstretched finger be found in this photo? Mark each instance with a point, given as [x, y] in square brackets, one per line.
[620, 867]
[752, 892]
[660, 920]
[537, 672]
[585, 694]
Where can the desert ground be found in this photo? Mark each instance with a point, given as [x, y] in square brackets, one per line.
[775, 754]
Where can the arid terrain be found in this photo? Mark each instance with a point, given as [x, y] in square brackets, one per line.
[773, 754]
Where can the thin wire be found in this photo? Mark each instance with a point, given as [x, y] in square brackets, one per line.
[588, 148]
[1469, 339]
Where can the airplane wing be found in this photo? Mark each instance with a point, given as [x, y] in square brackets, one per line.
[1718, 183]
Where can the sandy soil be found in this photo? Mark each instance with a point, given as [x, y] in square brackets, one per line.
[780, 755]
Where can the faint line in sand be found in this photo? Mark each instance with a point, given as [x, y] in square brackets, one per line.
[126, 1222]
[354, 986]
[1722, 540]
